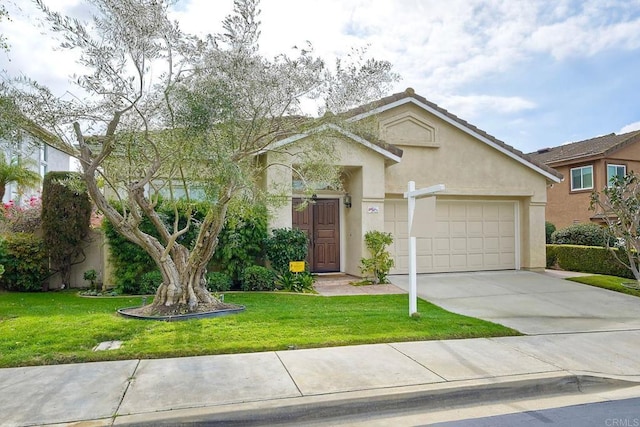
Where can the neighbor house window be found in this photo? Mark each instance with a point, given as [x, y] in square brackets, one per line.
[614, 171]
[582, 178]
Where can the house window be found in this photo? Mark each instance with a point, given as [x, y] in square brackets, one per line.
[614, 171]
[582, 178]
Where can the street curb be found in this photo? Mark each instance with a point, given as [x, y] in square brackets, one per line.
[323, 408]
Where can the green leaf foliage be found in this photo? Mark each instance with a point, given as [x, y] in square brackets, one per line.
[218, 281]
[149, 283]
[549, 229]
[295, 282]
[241, 241]
[66, 215]
[587, 259]
[258, 278]
[129, 261]
[585, 234]
[286, 245]
[24, 259]
[380, 262]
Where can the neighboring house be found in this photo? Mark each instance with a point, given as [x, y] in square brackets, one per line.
[587, 165]
[45, 158]
[490, 217]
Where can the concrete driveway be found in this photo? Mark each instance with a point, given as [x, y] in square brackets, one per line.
[532, 303]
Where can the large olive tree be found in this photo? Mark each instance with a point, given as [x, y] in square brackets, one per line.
[162, 112]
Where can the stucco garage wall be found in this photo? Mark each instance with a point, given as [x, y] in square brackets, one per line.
[469, 168]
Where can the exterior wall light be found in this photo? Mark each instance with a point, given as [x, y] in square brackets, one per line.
[347, 200]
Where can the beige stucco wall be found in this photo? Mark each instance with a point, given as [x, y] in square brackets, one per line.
[435, 152]
[467, 167]
[363, 174]
[94, 258]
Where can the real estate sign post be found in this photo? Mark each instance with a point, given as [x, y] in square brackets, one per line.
[423, 228]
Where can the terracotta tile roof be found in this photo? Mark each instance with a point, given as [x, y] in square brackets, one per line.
[600, 146]
[410, 93]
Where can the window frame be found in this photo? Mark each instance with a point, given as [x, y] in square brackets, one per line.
[582, 188]
[616, 165]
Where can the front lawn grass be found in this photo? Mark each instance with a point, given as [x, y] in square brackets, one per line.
[62, 327]
[613, 283]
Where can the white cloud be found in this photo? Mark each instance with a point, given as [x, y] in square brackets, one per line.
[469, 107]
[630, 127]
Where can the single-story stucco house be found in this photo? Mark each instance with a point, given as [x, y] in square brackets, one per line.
[490, 217]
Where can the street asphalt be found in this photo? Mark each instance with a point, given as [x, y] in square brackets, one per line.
[581, 341]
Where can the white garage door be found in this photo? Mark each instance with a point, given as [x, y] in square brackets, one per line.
[470, 236]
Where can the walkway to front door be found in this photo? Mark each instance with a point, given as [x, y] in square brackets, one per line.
[320, 220]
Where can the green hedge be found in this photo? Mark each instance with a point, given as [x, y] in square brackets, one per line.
[24, 259]
[584, 234]
[586, 259]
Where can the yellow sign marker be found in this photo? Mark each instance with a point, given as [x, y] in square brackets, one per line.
[296, 266]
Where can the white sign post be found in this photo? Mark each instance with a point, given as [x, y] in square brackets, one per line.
[422, 231]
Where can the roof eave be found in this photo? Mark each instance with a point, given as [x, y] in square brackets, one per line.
[548, 175]
[388, 155]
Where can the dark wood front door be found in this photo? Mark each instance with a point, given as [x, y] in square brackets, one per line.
[320, 221]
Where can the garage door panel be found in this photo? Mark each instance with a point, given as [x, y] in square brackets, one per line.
[459, 244]
[508, 245]
[507, 229]
[474, 228]
[424, 245]
[402, 246]
[425, 262]
[475, 244]
[457, 211]
[469, 236]
[441, 262]
[441, 245]
[458, 228]
[459, 261]
[475, 260]
[492, 260]
[491, 228]
[491, 244]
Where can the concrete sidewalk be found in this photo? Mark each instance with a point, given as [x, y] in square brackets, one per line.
[317, 384]
[169, 390]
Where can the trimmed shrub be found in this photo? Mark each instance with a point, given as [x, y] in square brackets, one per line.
[587, 259]
[218, 281]
[552, 256]
[586, 234]
[381, 261]
[549, 229]
[258, 278]
[24, 259]
[66, 214]
[286, 245]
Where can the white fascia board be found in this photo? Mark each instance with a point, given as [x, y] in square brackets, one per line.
[458, 126]
[292, 139]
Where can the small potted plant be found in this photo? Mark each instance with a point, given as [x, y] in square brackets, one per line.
[91, 276]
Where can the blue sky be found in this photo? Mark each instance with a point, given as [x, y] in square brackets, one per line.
[533, 73]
